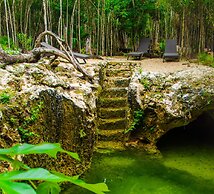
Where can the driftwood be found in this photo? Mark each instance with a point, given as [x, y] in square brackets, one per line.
[38, 51]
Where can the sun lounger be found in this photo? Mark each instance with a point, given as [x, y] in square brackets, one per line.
[142, 49]
[170, 50]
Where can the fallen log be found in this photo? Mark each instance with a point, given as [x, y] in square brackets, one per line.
[36, 54]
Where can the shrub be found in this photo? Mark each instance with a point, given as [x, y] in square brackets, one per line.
[5, 97]
[206, 59]
[25, 43]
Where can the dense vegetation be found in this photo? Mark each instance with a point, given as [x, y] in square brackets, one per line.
[110, 25]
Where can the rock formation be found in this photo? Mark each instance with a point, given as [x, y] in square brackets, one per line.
[40, 104]
[169, 100]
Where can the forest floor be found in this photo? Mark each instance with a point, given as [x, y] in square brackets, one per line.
[150, 64]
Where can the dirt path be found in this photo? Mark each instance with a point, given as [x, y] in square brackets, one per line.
[153, 64]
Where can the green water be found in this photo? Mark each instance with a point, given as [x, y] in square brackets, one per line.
[187, 167]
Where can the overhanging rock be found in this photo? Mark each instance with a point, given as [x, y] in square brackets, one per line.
[169, 100]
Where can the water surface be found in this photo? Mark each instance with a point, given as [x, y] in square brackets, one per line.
[187, 167]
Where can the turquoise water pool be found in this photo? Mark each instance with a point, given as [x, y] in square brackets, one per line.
[187, 167]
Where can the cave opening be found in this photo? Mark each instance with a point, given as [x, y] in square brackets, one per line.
[200, 132]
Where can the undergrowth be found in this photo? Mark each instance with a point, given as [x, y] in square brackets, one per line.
[206, 59]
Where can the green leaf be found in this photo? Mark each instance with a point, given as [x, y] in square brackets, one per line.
[32, 174]
[9, 187]
[98, 188]
[48, 188]
[44, 175]
[46, 148]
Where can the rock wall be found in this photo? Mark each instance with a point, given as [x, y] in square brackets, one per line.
[40, 104]
[169, 100]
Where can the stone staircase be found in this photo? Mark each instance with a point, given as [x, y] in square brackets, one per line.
[113, 109]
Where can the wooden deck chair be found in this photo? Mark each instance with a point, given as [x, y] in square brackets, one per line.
[171, 50]
[142, 49]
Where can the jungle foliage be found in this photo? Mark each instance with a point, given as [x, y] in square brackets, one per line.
[110, 25]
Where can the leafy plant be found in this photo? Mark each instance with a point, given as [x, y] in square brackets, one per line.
[140, 70]
[82, 133]
[162, 46]
[5, 97]
[25, 42]
[137, 122]
[4, 44]
[25, 133]
[48, 181]
[146, 83]
[34, 115]
[206, 59]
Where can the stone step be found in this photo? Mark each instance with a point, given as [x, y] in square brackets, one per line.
[111, 102]
[107, 113]
[114, 92]
[109, 135]
[112, 124]
[109, 146]
[118, 72]
[117, 82]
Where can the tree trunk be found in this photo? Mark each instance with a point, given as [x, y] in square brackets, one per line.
[98, 26]
[10, 22]
[103, 28]
[60, 21]
[0, 22]
[72, 24]
[14, 22]
[79, 27]
[27, 16]
[45, 19]
[6, 19]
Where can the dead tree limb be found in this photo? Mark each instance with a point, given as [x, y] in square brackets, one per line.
[69, 53]
[37, 52]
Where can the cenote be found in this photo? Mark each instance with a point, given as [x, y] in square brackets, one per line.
[187, 165]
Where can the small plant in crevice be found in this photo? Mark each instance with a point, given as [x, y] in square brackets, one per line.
[29, 120]
[82, 133]
[5, 97]
[25, 133]
[21, 179]
[137, 122]
[140, 70]
[146, 83]
[152, 129]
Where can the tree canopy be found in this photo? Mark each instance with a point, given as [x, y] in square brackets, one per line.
[110, 25]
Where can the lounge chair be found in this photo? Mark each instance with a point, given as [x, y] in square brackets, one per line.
[142, 49]
[170, 50]
[76, 55]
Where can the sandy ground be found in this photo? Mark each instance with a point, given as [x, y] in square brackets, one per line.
[150, 64]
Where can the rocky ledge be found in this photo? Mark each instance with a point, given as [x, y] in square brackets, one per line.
[39, 103]
[168, 100]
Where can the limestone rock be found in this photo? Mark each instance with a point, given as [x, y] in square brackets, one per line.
[170, 100]
[40, 104]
